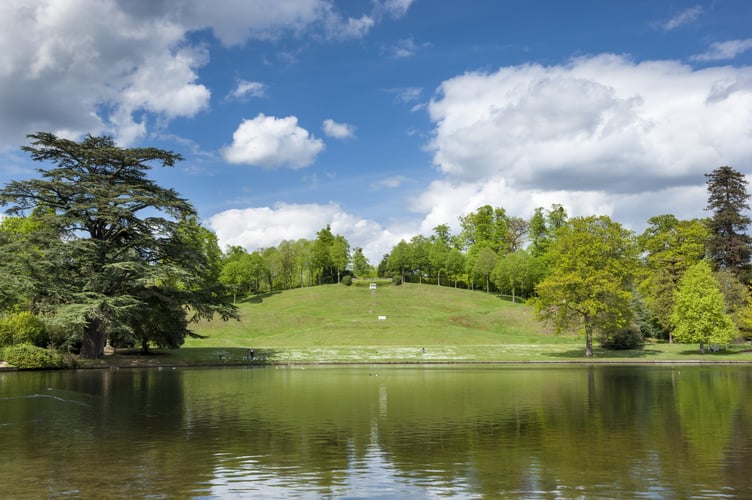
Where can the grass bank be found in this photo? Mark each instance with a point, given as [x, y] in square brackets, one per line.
[396, 324]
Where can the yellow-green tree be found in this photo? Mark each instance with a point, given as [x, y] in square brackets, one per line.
[593, 263]
[699, 311]
[670, 246]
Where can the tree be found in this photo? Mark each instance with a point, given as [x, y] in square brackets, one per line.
[699, 312]
[118, 234]
[670, 247]
[322, 254]
[420, 256]
[542, 228]
[515, 273]
[593, 262]
[728, 246]
[340, 254]
[437, 256]
[399, 258]
[361, 267]
[485, 264]
[455, 264]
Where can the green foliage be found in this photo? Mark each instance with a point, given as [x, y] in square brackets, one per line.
[360, 265]
[346, 280]
[629, 337]
[729, 246]
[396, 280]
[670, 247]
[593, 264]
[108, 235]
[30, 357]
[699, 311]
[22, 327]
[517, 274]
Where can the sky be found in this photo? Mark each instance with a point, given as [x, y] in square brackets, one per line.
[386, 118]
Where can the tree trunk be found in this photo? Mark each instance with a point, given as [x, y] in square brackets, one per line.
[588, 339]
[93, 343]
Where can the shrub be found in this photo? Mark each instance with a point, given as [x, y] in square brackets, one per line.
[346, 280]
[29, 357]
[623, 339]
[396, 280]
[22, 327]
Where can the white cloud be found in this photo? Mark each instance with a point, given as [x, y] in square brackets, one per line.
[721, 51]
[338, 130]
[61, 71]
[262, 227]
[404, 48]
[245, 89]
[684, 17]
[395, 8]
[600, 135]
[126, 66]
[272, 142]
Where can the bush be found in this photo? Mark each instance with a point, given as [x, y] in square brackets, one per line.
[22, 327]
[623, 339]
[396, 280]
[29, 357]
[346, 280]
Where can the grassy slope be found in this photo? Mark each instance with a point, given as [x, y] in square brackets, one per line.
[340, 324]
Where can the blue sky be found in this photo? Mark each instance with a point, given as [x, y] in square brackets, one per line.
[385, 118]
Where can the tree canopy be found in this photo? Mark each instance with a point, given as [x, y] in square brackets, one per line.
[593, 263]
[729, 246]
[699, 312]
[128, 256]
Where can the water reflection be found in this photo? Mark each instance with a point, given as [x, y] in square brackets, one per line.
[383, 432]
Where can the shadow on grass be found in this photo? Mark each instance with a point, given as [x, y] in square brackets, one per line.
[579, 353]
[720, 353]
[258, 298]
[187, 356]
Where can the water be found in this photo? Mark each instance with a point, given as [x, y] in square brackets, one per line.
[379, 432]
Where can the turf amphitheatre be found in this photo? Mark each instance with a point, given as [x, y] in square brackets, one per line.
[419, 324]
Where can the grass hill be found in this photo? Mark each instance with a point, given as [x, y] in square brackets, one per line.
[420, 324]
[411, 315]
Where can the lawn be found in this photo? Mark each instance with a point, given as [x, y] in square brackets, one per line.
[398, 324]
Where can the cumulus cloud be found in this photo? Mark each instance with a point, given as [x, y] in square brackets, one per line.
[721, 51]
[262, 227]
[686, 16]
[600, 134]
[271, 142]
[126, 66]
[61, 71]
[338, 130]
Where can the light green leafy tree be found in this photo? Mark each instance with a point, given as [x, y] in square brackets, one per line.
[670, 246]
[593, 263]
[485, 263]
[361, 267]
[699, 311]
[455, 264]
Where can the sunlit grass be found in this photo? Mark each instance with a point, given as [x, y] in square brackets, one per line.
[423, 324]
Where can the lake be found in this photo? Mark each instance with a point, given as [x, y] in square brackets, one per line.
[489, 431]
